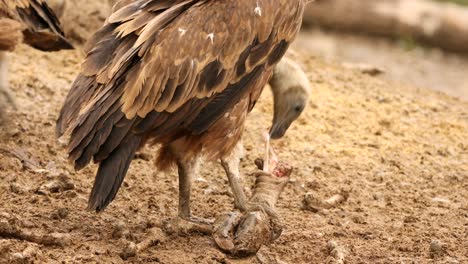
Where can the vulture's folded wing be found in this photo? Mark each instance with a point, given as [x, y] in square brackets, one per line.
[10, 33]
[163, 66]
[42, 28]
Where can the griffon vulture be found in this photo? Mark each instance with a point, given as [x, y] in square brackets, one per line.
[179, 73]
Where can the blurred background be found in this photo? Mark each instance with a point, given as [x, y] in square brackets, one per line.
[423, 43]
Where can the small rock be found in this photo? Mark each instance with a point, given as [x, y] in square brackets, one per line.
[67, 183]
[120, 230]
[410, 219]
[312, 184]
[129, 251]
[28, 224]
[358, 219]
[18, 257]
[334, 221]
[62, 183]
[31, 252]
[436, 249]
[16, 188]
[62, 213]
[5, 215]
[364, 68]
[70, 194]
[264, 256]
[450, 260]
[441, 200]
[57, 239]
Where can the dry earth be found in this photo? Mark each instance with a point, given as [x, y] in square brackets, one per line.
[401, 152]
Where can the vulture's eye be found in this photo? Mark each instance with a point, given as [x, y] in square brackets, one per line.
[298, 108]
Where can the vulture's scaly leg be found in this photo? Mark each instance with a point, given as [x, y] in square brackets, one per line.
[186, 223]
[240, 234]
[231, 167]
[4, 83]
[186, 171]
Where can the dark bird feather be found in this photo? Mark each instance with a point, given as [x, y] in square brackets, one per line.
[40, 26]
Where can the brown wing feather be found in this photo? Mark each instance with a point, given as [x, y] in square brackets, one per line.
[42, 28]
[10, 33]
[178, 62]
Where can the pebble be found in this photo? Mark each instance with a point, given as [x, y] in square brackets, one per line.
[436, 249]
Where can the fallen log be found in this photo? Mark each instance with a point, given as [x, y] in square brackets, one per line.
[444, 25]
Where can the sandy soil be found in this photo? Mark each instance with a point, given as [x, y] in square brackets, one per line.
[401, 152]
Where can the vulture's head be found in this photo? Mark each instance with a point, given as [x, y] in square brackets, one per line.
[291, 90]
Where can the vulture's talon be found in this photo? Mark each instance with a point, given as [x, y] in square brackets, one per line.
[8, 97]
[243, 234]
[223, 229]
[181, 226]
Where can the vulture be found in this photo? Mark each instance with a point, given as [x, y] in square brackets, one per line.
[182, 74]
[31, 22]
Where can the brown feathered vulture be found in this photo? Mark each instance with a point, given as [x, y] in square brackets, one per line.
[32, 21]
[179, 73]
[29, 21]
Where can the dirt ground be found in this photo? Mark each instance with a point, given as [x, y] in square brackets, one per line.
[402, 153]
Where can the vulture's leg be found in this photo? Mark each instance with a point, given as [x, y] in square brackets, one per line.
[186, 223]
[231, 167]
[259, 225]
[186, 172]
[4, 84]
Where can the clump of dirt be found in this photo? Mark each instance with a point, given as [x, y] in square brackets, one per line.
[400, 153]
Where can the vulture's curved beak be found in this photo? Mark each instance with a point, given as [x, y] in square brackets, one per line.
[279, 128]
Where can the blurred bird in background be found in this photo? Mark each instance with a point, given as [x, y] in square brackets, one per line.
[31, 22]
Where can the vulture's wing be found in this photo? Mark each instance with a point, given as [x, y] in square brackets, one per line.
[42, 28]
[10, 33]
[168, 67]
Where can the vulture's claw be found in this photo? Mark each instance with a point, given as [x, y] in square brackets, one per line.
[8, 97]
[181, 226]
[241, 234]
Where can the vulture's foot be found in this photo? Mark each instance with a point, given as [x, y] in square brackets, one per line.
[6, 100]
[7, 96]
[241, 234]
[185, 226]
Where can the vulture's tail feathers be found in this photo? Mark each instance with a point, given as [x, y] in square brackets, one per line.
[111, 173]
